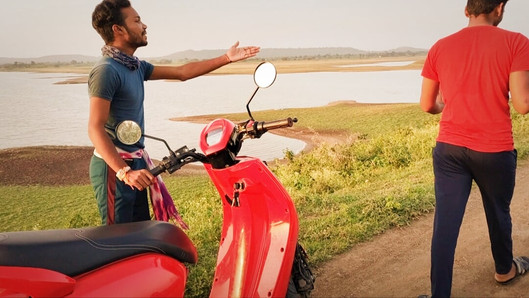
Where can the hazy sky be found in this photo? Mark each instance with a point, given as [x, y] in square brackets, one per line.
[32, 29]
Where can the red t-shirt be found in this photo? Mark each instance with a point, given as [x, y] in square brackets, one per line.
[473, 67]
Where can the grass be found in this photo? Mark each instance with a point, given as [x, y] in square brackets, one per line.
[47, 207]
[358, 119]
[350, 192]
[361, 120]
[344, 194]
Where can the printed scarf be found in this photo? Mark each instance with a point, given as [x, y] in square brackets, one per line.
[162, 202]
[131, 62]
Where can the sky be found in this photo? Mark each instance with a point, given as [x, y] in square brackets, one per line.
[62, 27]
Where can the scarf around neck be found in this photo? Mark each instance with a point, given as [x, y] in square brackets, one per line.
[131, 62]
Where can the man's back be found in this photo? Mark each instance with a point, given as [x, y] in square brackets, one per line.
[473, 67]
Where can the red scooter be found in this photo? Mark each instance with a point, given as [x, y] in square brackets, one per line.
[259, 255]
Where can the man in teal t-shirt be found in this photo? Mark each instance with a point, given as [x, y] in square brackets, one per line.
[118, 173]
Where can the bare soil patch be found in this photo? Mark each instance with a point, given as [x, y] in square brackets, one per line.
[45, 165]
[55, 165]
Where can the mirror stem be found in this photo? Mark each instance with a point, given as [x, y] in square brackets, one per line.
[248, 104]
[161, 140]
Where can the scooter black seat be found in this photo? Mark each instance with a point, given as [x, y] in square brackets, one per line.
[76, 251]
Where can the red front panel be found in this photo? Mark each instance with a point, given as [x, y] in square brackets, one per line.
[259, 233]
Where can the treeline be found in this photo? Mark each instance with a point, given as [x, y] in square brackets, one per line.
[17, 65]
[367, 55]
[34, 65]
[356, 56]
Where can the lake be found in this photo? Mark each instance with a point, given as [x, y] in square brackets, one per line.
[35, 111]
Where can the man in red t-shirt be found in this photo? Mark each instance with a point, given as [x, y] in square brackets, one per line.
[468, 76]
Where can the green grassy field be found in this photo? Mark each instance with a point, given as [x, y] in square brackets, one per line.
[344, 194]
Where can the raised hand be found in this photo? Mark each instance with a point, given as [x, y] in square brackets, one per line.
[236, 54]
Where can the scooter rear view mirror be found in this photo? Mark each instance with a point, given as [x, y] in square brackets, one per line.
[265, 74]
[128, 132]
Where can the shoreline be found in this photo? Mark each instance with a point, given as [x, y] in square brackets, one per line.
[69, 164]
[306, 65]
[310, 137]
[59, 165]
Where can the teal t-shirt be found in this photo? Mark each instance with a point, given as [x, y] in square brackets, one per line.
[124, 88]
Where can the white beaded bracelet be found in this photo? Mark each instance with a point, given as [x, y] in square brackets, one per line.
[122, 173]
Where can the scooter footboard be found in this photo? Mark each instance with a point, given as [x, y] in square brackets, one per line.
[259, 233]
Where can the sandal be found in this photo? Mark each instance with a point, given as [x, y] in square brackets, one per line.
[522, 266]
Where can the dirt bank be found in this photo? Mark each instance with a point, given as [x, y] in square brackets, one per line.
[54, 165]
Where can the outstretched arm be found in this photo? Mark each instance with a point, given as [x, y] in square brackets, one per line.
[195, 69]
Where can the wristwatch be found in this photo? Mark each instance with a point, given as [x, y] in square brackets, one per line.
[122, 173]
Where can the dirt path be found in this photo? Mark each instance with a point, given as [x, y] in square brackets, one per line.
[397, 263]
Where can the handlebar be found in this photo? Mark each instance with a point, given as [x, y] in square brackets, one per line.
[157, 170]
[248, 129]
[178, 159]
[289, 122]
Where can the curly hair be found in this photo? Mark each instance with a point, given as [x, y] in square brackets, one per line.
[477, 7]
[105, 15]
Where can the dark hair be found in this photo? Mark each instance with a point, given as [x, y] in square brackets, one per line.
[106, 14]
[477, 7]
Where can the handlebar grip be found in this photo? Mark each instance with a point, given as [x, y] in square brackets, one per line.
[264, 126]
[157, 170]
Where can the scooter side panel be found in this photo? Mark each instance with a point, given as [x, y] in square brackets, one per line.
[33, 282]
[147, 275]
[259, 233]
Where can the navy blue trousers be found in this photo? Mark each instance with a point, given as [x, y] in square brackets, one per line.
[118, 202]
[455, 168]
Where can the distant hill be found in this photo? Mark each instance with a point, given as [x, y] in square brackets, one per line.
[205, 54]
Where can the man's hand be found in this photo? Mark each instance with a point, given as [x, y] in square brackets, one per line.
[139, 179]
[236, 54]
